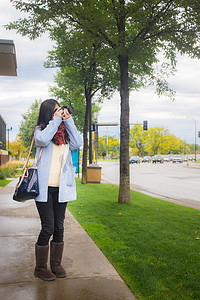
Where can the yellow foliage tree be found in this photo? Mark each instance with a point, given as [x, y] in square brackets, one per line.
[18, 149]
[138, 139]
[113, 147]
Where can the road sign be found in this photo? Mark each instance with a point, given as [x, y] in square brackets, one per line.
[145, 125]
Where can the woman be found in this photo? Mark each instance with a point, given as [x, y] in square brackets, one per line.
[56, 135]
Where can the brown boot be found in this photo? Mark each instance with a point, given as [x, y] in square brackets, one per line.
[41, 271]
[56, 251]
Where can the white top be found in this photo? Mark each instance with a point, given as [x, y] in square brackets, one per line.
[58, 160]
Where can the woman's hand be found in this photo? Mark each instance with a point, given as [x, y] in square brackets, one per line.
[66, 115]
[59, 113]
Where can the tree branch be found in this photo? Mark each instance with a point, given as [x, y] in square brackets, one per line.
[101, 33]
[146, 29]
[162, 32]
[114, 10]
[96, 91]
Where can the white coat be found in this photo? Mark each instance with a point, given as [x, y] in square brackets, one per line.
[43, 138]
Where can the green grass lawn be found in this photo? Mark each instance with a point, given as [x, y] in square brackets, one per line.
[153, 244]
[4, 182]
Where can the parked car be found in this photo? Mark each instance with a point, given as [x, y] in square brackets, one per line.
[177, 158]
[146, 159]
[185, 158]
[157, 158]
[166, 158]
[191, 157]
[134, 160]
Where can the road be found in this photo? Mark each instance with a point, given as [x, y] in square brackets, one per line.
[173, 182]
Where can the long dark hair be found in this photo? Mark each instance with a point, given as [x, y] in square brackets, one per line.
[46, 113]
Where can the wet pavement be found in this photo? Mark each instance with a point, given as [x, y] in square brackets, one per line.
[90, 276]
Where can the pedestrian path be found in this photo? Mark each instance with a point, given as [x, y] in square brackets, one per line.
[90, 276]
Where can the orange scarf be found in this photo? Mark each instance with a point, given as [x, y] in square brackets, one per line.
[60, 136]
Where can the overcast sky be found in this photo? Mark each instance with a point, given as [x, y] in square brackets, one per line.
[33, 81]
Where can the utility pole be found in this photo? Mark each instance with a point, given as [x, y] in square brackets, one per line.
[8, 135]
[107, 125]
[107, 143]
[195, 136]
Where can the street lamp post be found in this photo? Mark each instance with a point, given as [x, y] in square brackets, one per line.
[195, 138]
[107, 124]
[8, 135]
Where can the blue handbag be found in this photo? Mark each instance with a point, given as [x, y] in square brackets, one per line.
[27, 186]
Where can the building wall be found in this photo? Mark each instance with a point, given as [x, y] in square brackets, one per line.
[2, 133]
[4, 157]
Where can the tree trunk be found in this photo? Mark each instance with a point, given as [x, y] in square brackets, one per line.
[85, 139]
[90, 136]
[124, 187]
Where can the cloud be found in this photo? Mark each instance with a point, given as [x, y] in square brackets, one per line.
[33, 80]
[162, 112]
[15, 102]
[186, 80]
[30, 54]
[18, 93]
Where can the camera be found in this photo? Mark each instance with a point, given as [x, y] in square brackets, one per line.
[69, 108]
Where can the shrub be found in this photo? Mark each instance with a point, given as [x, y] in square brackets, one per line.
[8, 169]
[2, 174]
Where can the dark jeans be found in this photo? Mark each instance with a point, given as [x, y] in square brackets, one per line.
[52, 215]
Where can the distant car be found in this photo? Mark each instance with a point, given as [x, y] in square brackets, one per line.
[157, 158]
[134, 160]
[191, 157]
[177, 158]
[166, 158]
[146, 159]
[185, 158]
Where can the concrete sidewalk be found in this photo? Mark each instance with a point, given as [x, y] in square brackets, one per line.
[90, 276]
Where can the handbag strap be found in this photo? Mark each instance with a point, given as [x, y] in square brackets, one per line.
[29, 153]
[24, 169]
[26, 163]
